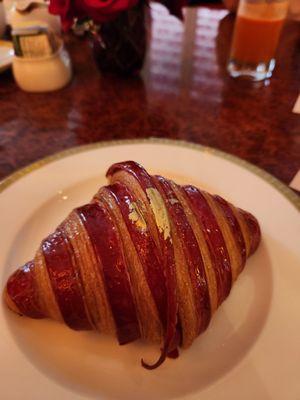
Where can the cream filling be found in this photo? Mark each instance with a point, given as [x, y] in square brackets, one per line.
[160, 212]
[136, 217]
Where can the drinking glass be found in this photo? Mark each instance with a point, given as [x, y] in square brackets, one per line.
[255, 38]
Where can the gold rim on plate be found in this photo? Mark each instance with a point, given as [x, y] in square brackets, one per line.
[279, 186]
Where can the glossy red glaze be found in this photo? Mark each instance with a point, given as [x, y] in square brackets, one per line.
[254, 230]
[107, 246]
[214, 239]
[21, 289]
[65, 280]
[146, 250]
[135, 169]
[173, 354]
[234, 225]
[167, 259]
[191, 250]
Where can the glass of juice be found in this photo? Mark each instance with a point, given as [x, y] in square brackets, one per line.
[255, 38]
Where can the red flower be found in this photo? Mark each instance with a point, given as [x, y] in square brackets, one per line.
[102, 10]
[97, 10]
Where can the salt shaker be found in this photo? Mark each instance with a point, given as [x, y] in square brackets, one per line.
[40, 64]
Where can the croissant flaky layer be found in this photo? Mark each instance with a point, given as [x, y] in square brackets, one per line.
[146, 258]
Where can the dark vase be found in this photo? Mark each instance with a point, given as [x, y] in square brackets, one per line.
[120, 45]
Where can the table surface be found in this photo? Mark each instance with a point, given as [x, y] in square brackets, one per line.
[183, 93]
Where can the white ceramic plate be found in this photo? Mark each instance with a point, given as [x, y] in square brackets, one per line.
[251, 349]
[6, 55]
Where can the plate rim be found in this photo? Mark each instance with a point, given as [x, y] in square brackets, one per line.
[62, 157]
[281, 187]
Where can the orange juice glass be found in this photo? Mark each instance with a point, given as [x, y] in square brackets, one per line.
[256, 33]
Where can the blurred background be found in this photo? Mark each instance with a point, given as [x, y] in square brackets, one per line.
[145, 72]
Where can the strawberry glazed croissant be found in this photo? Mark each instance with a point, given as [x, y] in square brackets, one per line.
[146, 258]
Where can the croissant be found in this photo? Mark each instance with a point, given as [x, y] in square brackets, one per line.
[146, 258]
